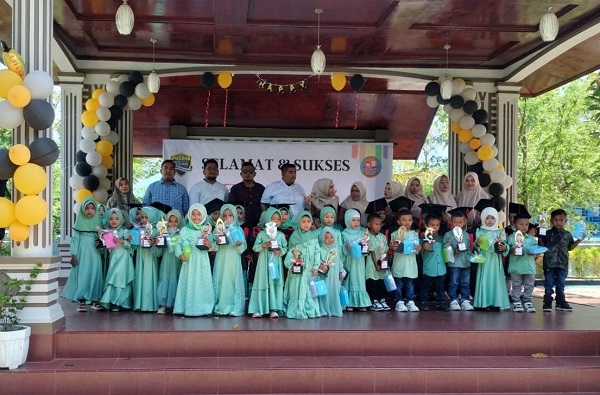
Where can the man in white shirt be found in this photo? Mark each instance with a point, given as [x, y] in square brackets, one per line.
[285, 191]
[209, 188]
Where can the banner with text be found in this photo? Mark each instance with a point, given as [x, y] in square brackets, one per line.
[344, 163]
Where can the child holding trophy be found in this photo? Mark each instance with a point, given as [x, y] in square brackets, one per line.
[522, 265]
[145, 284]
[170, 266]
[405, 243]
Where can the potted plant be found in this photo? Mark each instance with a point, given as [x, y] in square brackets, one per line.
[14, 338]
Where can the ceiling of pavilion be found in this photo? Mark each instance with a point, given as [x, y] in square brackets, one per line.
[396, 45]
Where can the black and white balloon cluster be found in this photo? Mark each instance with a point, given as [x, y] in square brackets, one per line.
[470, 124]
[103, 112]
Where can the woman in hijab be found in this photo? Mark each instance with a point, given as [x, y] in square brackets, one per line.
[393, 190]
[122, 196]
[357, 201]
[323, 194]
[414, 191]
[471, 191]
[441, 193]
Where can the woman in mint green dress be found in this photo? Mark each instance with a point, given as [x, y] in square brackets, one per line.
[145, 284]
[118, 287]
[267, 293]
[228, 275]
[490, 291]
[356, 279]
[195, 293]
[170, 265]
[303, 250]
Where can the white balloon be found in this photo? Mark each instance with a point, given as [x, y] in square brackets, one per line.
[102, 128]
[133, 103]
[122, 78]
[11, 116]
[467, 122]
[432, 101]
[105, 183]
[508, 182]
[112, 137]
[464, 148]
[495, 149]
[103, 114]
[487, 139]
[490, 164]
[478, 131]
[87, 146]
[76, 181]
[77, 207]
[456, 114]
[99, 171]
[93, 158]
[447, 108]
[112, 87]
[471, 158]
[106, 99]
[101, 195]
[142, 91]
[501, 217]
[443, 78]
[458, 86]
[497, 175]
[469, 93]
[87, 132]
[39, 83]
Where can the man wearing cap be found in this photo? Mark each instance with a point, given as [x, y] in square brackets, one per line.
[209, 188]
[248, 193]
[285, 191]
[167, 190]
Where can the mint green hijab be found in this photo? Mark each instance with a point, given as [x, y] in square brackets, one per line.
[299, 236]
[83, 223]
[269, 214]
[202, 209]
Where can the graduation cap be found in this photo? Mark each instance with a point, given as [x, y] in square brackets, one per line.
[434, 209]
[460, 211]
[401, 203]
[214, 205]
[483, 204]
[135, 205]
[165, 208]
[518, 209]
[376, 206]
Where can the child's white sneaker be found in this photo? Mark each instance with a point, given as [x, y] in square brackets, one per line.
[376, 306]
[466, 305]
[529, 307]
[412, 307]
[454, 306]
[400, 306]
[518, 307]
[162, 310]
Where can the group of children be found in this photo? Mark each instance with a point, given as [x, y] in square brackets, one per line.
[196, 266]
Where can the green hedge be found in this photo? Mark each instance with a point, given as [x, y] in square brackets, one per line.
[585, 262]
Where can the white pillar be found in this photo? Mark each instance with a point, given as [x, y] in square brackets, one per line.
[507, 136]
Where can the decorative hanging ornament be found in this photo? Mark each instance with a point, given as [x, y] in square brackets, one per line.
[549, 26]
[446, 83]
[124, 19]
[318, 61]
[153, 79]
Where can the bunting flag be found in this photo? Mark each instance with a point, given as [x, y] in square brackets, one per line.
[281, 88]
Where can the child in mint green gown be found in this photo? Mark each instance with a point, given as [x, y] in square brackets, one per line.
[145, 284]
[228, 275]
[170, 265]
[332, 268]
[354, 265]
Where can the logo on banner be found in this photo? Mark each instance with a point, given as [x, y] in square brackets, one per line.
[370, 157]
[370, 166]
[183, 163]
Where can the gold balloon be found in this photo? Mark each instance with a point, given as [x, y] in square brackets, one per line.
[465, 135]
[19, 154]
[96, 94]
[31, 210]
[7, 212]
[18, 231]
[82, 194]
[19, 96]
[107, 161]
[224, 79]
[8, 79]
[92, 105]
[338, 81]
[500, 166]
[456, 127]
[148, 101]
[30, 179]
[89, 118]
[104, 147]
[485, 152]
[475, 143]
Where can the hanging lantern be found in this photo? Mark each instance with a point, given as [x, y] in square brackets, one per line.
[153, 79]
[317, 61]
[549, 26]
[446, 87]
[124, 19]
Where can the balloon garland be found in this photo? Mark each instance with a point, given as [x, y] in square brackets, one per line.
[103, 111]
[26, 96]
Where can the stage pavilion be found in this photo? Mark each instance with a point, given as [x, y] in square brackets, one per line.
[396, 47]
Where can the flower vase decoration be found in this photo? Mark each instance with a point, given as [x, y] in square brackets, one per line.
[161, 227]
[297, 264]
[271, 230]
[519, 239]
[206, 229]
[220, 236]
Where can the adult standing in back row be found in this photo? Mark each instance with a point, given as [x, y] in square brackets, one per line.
[167, 190]
[209, 188]
[285, 191]
[248, 193]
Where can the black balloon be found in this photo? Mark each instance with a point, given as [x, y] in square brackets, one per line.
[135, 77]
[480, 116]
[127, 88]
[44, 151]
[7, 168]
[487, 127]
[484, 180]
[441, 100]
[499, 202]
[432, 89]
[357, 82]
[80, 156]
[112, 123]
[91, 182]
[470, 106]
[116, 112]
[477, 168]
[208, 80]
[83, 169]
[456, 101]
[496, 189]
[120, 101]
[39, 114]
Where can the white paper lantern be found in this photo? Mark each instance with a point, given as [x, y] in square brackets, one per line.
[549, 26]
[153, 83]
[446, 89]
[124, 19]
[318, 61]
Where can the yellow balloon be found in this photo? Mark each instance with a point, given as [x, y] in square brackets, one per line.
[96, 94]
[18, 231]
[485, 152]
[107, 161]
[82, 194]
[148, 101]
[500, 166]
[19, 154]
[7, 212]
[31, 210]
[19, 96]
[338, 81]
[465, 135]
[30, 179]
[8, 79]
[104, 147]
[89, 118]
[224, 79]
[475, 143]
[92, 105]
[456, 127]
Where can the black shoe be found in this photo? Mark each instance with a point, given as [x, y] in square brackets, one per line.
[562, 306]
[424, 306]
[442, 307]
[547, 306]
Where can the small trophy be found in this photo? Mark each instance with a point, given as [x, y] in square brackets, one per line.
[365, 242]
[220, 236]
[297, 264]
[331, 254]
[458, 235]
[400, 236]
[542, 219]
[519, 239]
[206, 229]
[147, 236]
[271, 230]
[428, 235]
[161, 227]
[383, 263]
